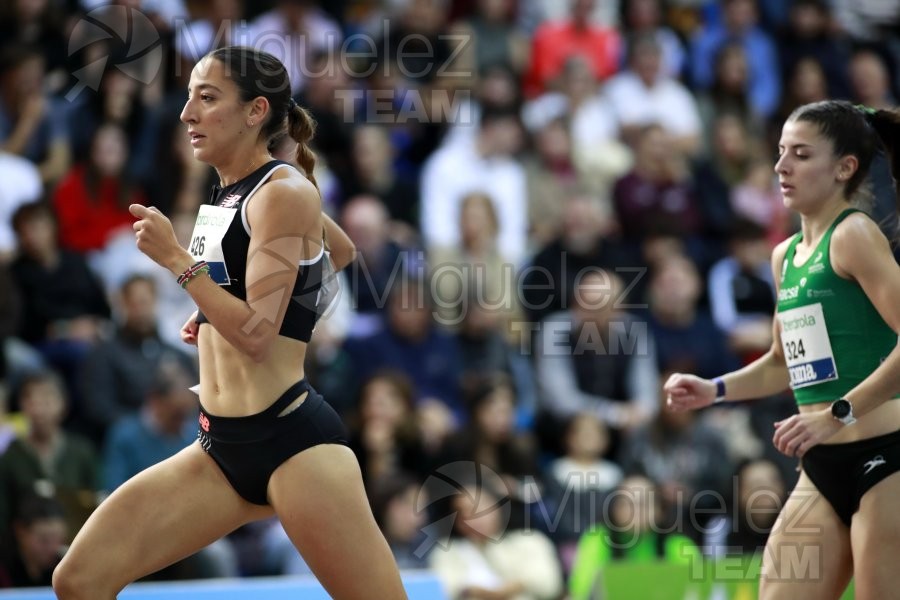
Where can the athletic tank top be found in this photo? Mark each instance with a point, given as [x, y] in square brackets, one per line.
[221, 237]
[831, 334]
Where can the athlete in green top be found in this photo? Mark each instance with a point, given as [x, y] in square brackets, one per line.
[835, 344]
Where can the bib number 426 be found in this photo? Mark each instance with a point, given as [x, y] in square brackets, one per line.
[198, 245]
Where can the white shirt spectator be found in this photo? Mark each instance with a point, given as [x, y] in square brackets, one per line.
[273, 34]
[194, 39]
[20, 183]
[592, 122]
[667, 103]
[456, 170]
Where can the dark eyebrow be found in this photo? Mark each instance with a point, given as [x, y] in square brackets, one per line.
[204, 86]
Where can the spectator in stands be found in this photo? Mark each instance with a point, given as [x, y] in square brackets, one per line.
[586, 242]
[490, 439]
[635, 533]
[734, 149]
[118, 102]
[121, 369]
[38, 542]
[495, 39]
[645, 95]
[62, 298]
[386, 436]
[729, 92]
[555, 42]
[686, 458]
[870, 80]
[809, 36]
[380, 259]
[39, 25]
[64, 305]
[482, 560]
[32, 125]
[410, 341]
[398, 503]
[577, 483]
[91, 201]
[658, 188]
[165, 424]
[550, 170]
[219, 23]
[742, 292]
[597, 358]
[48, 461]
[740, 24]
[301, 29]
[805, 83]
[491, 343]
[576, 99]
[20, 184]
[486, 165]
[646, 17]
[374, 173]
[474, 268]
[757, 495]
[683, 330]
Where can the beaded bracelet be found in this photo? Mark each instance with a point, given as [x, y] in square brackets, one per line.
[191, 272]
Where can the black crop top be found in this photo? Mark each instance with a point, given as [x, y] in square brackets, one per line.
[221, 237]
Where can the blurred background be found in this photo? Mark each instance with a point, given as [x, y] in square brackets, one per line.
[556, 204]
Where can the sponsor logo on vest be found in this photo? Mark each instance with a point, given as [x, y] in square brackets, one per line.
[816, 268]
[230, 201]
[802, 374]
[803, 282]
[210, 220]
[790, 293]
[818, 257]
[820, 293]
[799, 323]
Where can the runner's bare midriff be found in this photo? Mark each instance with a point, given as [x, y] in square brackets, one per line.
[234, 385]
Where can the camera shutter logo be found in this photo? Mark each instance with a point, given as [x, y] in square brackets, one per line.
[127, 27]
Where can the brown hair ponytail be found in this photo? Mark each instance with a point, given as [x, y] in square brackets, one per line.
[301, 127]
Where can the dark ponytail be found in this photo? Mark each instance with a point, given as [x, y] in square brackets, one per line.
[886, 125]
[302, 127]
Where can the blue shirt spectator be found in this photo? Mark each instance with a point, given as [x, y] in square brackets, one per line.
[739, 24]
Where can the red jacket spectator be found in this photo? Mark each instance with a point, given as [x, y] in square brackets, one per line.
[556, 42]
[92, 199]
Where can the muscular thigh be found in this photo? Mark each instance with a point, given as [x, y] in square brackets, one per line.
[875, 535]
[808, 552]
[161, 515]
[319, 497]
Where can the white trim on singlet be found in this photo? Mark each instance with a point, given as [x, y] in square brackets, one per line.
[311, 261]
[253, 191]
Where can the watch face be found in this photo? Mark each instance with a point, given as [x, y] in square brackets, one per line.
[840, 408]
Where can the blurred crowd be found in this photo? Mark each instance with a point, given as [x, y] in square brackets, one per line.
[555, 203]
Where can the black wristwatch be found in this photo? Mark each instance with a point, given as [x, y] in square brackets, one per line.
[842, 410]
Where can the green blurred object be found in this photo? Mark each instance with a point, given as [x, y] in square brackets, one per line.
[734, 578]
